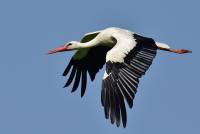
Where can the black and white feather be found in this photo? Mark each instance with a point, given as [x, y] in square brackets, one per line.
[121, 78]
[85, 61]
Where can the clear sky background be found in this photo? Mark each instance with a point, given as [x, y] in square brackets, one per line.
[32, 100]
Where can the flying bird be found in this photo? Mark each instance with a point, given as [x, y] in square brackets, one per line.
[127, 56]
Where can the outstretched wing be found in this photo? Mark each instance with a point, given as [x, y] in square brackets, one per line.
[93, 60]
[122, 77]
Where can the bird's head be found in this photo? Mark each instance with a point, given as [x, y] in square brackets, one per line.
[72, 45]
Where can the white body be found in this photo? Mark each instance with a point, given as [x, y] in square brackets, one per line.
[125, 42]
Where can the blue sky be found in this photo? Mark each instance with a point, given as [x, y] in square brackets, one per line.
[32, 99]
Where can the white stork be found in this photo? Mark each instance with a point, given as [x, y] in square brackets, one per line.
[127, 56]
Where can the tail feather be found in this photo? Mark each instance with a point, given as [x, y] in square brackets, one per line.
[162, 45]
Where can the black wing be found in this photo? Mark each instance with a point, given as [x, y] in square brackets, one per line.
[123, 78]
[91, 63]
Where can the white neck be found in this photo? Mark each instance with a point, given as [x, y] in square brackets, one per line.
[91, 43]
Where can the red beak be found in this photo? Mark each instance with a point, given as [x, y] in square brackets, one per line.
[58, 49]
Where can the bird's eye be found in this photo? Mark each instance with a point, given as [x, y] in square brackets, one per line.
[69, 44]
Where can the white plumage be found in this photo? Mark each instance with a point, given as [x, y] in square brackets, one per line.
[125, 43]
[162, 45]
[127, 56]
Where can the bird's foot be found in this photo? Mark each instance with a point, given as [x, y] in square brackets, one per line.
[180, 51]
